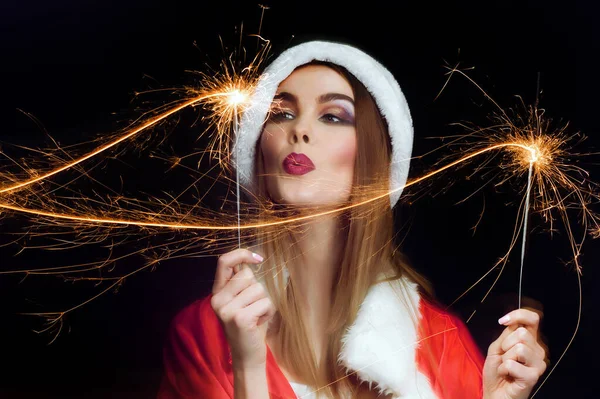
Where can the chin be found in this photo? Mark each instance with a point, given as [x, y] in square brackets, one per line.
[296, 193]
[313, 198]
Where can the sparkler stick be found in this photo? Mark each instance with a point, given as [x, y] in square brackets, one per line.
[237, 177]
[237, 268]
[525, 218]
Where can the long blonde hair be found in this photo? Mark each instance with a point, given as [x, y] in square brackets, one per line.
[369, 251]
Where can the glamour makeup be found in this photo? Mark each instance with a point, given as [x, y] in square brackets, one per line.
[342, 109]
[297, 164]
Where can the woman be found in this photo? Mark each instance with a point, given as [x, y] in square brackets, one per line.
[337, 312]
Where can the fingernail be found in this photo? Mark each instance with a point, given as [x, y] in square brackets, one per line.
[257, 257]
[504, 319]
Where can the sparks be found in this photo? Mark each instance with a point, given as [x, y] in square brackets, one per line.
[524, 141]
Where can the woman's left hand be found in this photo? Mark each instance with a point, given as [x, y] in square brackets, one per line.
[516, 360]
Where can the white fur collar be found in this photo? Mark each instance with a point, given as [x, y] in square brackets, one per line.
[381, 344]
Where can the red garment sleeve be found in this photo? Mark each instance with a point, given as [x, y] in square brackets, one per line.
[449, 355]
[197, 359]
[196, 356]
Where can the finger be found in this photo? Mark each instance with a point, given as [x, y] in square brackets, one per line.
[254, 312]
[521, 353]
[522, 317]
[495, 348]
[520, 335]
[236, 284]
[267, 316]
[524, 377]
[249, 295]
[227, 263]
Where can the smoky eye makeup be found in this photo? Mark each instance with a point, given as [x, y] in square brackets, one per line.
[342, 109]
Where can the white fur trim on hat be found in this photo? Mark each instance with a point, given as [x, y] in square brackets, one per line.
[377, 80]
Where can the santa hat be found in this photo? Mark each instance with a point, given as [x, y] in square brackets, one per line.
[378, 81]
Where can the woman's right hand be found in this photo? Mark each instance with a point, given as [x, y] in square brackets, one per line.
[243, 307]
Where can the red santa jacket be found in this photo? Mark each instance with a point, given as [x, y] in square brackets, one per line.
[433, 359]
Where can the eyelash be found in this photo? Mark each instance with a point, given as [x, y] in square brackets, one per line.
[279, 116]
[339, 120]
[286, 116]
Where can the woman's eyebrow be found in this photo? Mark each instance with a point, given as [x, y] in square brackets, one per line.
[334, 96]
[285, 96]
[323, 98]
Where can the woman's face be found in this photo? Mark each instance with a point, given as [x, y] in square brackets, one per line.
[309, 140]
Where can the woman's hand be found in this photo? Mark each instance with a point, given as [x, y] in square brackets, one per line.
[516, 360]
[243, 307]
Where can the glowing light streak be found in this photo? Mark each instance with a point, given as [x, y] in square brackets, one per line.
[111, 144]
[104, 220]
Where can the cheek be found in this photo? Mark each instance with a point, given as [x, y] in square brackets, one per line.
[270, 145]
[344, 152]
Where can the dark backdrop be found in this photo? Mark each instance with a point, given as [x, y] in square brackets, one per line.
[75, 67]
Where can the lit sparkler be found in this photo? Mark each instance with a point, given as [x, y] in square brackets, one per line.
[540, 150]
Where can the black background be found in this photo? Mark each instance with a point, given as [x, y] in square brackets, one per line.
[75, 67]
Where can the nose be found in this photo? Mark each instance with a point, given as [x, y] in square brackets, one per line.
[301, 131]
[304, 138]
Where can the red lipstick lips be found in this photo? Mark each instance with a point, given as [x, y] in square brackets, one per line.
[297, 164]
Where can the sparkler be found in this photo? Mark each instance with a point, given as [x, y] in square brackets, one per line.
[223, 93]
[542, 152]
[526, 142]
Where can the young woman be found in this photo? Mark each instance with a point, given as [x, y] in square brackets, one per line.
[333, 311]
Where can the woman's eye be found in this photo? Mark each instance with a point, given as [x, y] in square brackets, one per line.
[331, 118]
[336, 119]
[280, 116]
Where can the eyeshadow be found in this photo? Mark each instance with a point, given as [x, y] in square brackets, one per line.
[347, 107]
